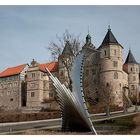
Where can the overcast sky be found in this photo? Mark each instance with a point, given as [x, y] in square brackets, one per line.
[25, 31]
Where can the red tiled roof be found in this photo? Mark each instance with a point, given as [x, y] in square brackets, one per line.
[53, 66]
[12, 71]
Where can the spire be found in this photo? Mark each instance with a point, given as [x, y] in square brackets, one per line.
[109, 38]
[33, 63]
[88, 39]
[109, 27]
[130, 58]
[67, 49]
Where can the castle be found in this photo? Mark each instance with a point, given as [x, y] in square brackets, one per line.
[106, 77]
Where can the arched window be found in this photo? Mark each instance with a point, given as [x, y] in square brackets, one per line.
[115, 75]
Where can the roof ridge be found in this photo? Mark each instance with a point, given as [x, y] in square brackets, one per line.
[13, 70]
[16, 66]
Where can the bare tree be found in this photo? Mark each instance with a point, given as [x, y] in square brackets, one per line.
[106, 95]
[57, 48]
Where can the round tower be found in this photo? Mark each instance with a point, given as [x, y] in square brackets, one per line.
[132, 68]
[111, 73]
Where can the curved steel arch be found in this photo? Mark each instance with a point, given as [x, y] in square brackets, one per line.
[75, 116]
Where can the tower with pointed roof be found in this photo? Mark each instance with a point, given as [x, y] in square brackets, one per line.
[90, 76]
[132, 68]
[111, 72]
[88, 43]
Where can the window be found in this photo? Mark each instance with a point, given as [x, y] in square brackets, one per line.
[11, 99]
[32, 85]
[8, 92]
[1, 85]
[32, 94]
[42, 74]
[132, 87]
[107, 84]
[51, 94]
[33, 75]
[10, 85]
[131, 69]
[115, 64]
[134, 78]
[15, 84]
[105, 53]
[114, 52]
[115, 75]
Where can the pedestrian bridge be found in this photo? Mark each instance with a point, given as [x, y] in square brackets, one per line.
[116, 114]
[19, 127]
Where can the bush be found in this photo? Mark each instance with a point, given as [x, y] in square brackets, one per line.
[17, 117]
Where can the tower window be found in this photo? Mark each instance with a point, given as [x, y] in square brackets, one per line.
[32, 85]
[107, 84]
[120, 85]
[32, 94]
[131, 69]
[115, 75]
[114, 52]
[132, 87]
[105, 53]
[134, 78]
[33, 75]
[115, 64]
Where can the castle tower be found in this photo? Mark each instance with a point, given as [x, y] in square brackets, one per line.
[40, 90]
[111, 73]
[88, 43]
[90, 76]
[132, 68]
[65, 61]
[34, 85]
